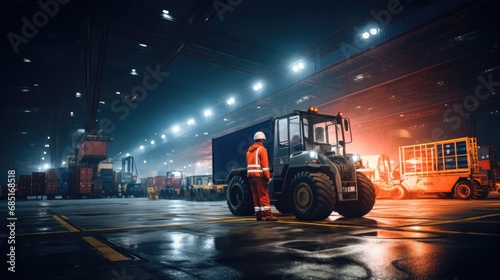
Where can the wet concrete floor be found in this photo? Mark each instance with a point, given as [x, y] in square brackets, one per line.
[137, 238]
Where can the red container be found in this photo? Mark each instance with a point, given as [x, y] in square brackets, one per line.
[92, 150]
[24, 185]
[51, 187]
[52, 181]
[51, 174]
[83, 180]
[83, 174]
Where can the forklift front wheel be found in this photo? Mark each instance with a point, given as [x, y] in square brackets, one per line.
[399, 192]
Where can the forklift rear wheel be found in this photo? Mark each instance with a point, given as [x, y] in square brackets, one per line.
[239, 197]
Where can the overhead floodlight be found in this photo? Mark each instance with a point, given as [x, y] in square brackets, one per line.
[257, 86]
[141, 147]
[118, 93]
[152, 142]
[143, 45]
[207, 113]
[230, 101]
[78, 95]
[190, 122]
[176, 129]
[26, 60]
[163, 136]
[166, 15]
[102, 102]
[71, 114]
[133, 72]
[365, 35]
[373, 31]
[145, 161]
[298, 66]
[127, 154]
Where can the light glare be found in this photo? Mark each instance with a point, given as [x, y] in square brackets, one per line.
[258, 86]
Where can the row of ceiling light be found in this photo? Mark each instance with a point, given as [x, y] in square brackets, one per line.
[176, 129]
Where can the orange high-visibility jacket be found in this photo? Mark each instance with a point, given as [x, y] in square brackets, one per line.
[257, 161]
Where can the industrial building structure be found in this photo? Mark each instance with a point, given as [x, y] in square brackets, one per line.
[405, 72]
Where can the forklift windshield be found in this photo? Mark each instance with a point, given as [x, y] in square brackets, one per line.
[325, 133]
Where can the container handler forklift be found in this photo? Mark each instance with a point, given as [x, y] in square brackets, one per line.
[174, 185]
[201, 188]
[448, 168]
[312, 175]
[129, 183]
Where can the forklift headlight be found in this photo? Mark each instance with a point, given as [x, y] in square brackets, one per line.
[313, 155]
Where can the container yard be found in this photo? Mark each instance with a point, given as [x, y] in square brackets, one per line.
[223, 139]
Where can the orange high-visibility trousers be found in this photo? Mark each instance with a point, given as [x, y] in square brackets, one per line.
[260, 194]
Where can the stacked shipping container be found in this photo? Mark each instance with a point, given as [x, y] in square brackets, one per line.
[52, 183]
[107, 181]
[82, 181]
[37, 183]
[24, 185]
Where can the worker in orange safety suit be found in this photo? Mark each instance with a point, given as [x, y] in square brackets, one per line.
[259, 176]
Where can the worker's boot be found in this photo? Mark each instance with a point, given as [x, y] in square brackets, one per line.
[258, 216]
[268, 216]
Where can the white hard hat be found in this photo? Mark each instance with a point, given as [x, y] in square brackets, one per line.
[259, 135]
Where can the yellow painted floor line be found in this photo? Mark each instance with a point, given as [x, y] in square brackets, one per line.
[64, 217]
[65, 224]
[105, 250]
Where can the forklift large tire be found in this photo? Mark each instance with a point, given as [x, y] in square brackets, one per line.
[239, 197]
[311, 196]
[201, 195]
[464, 190]
[480, 192]
[399, 192]
[365, 202]
[170, 193]
[192, 194]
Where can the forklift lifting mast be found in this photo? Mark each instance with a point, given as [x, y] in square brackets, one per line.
[174, 185]
[129, 184]
[312, 175]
